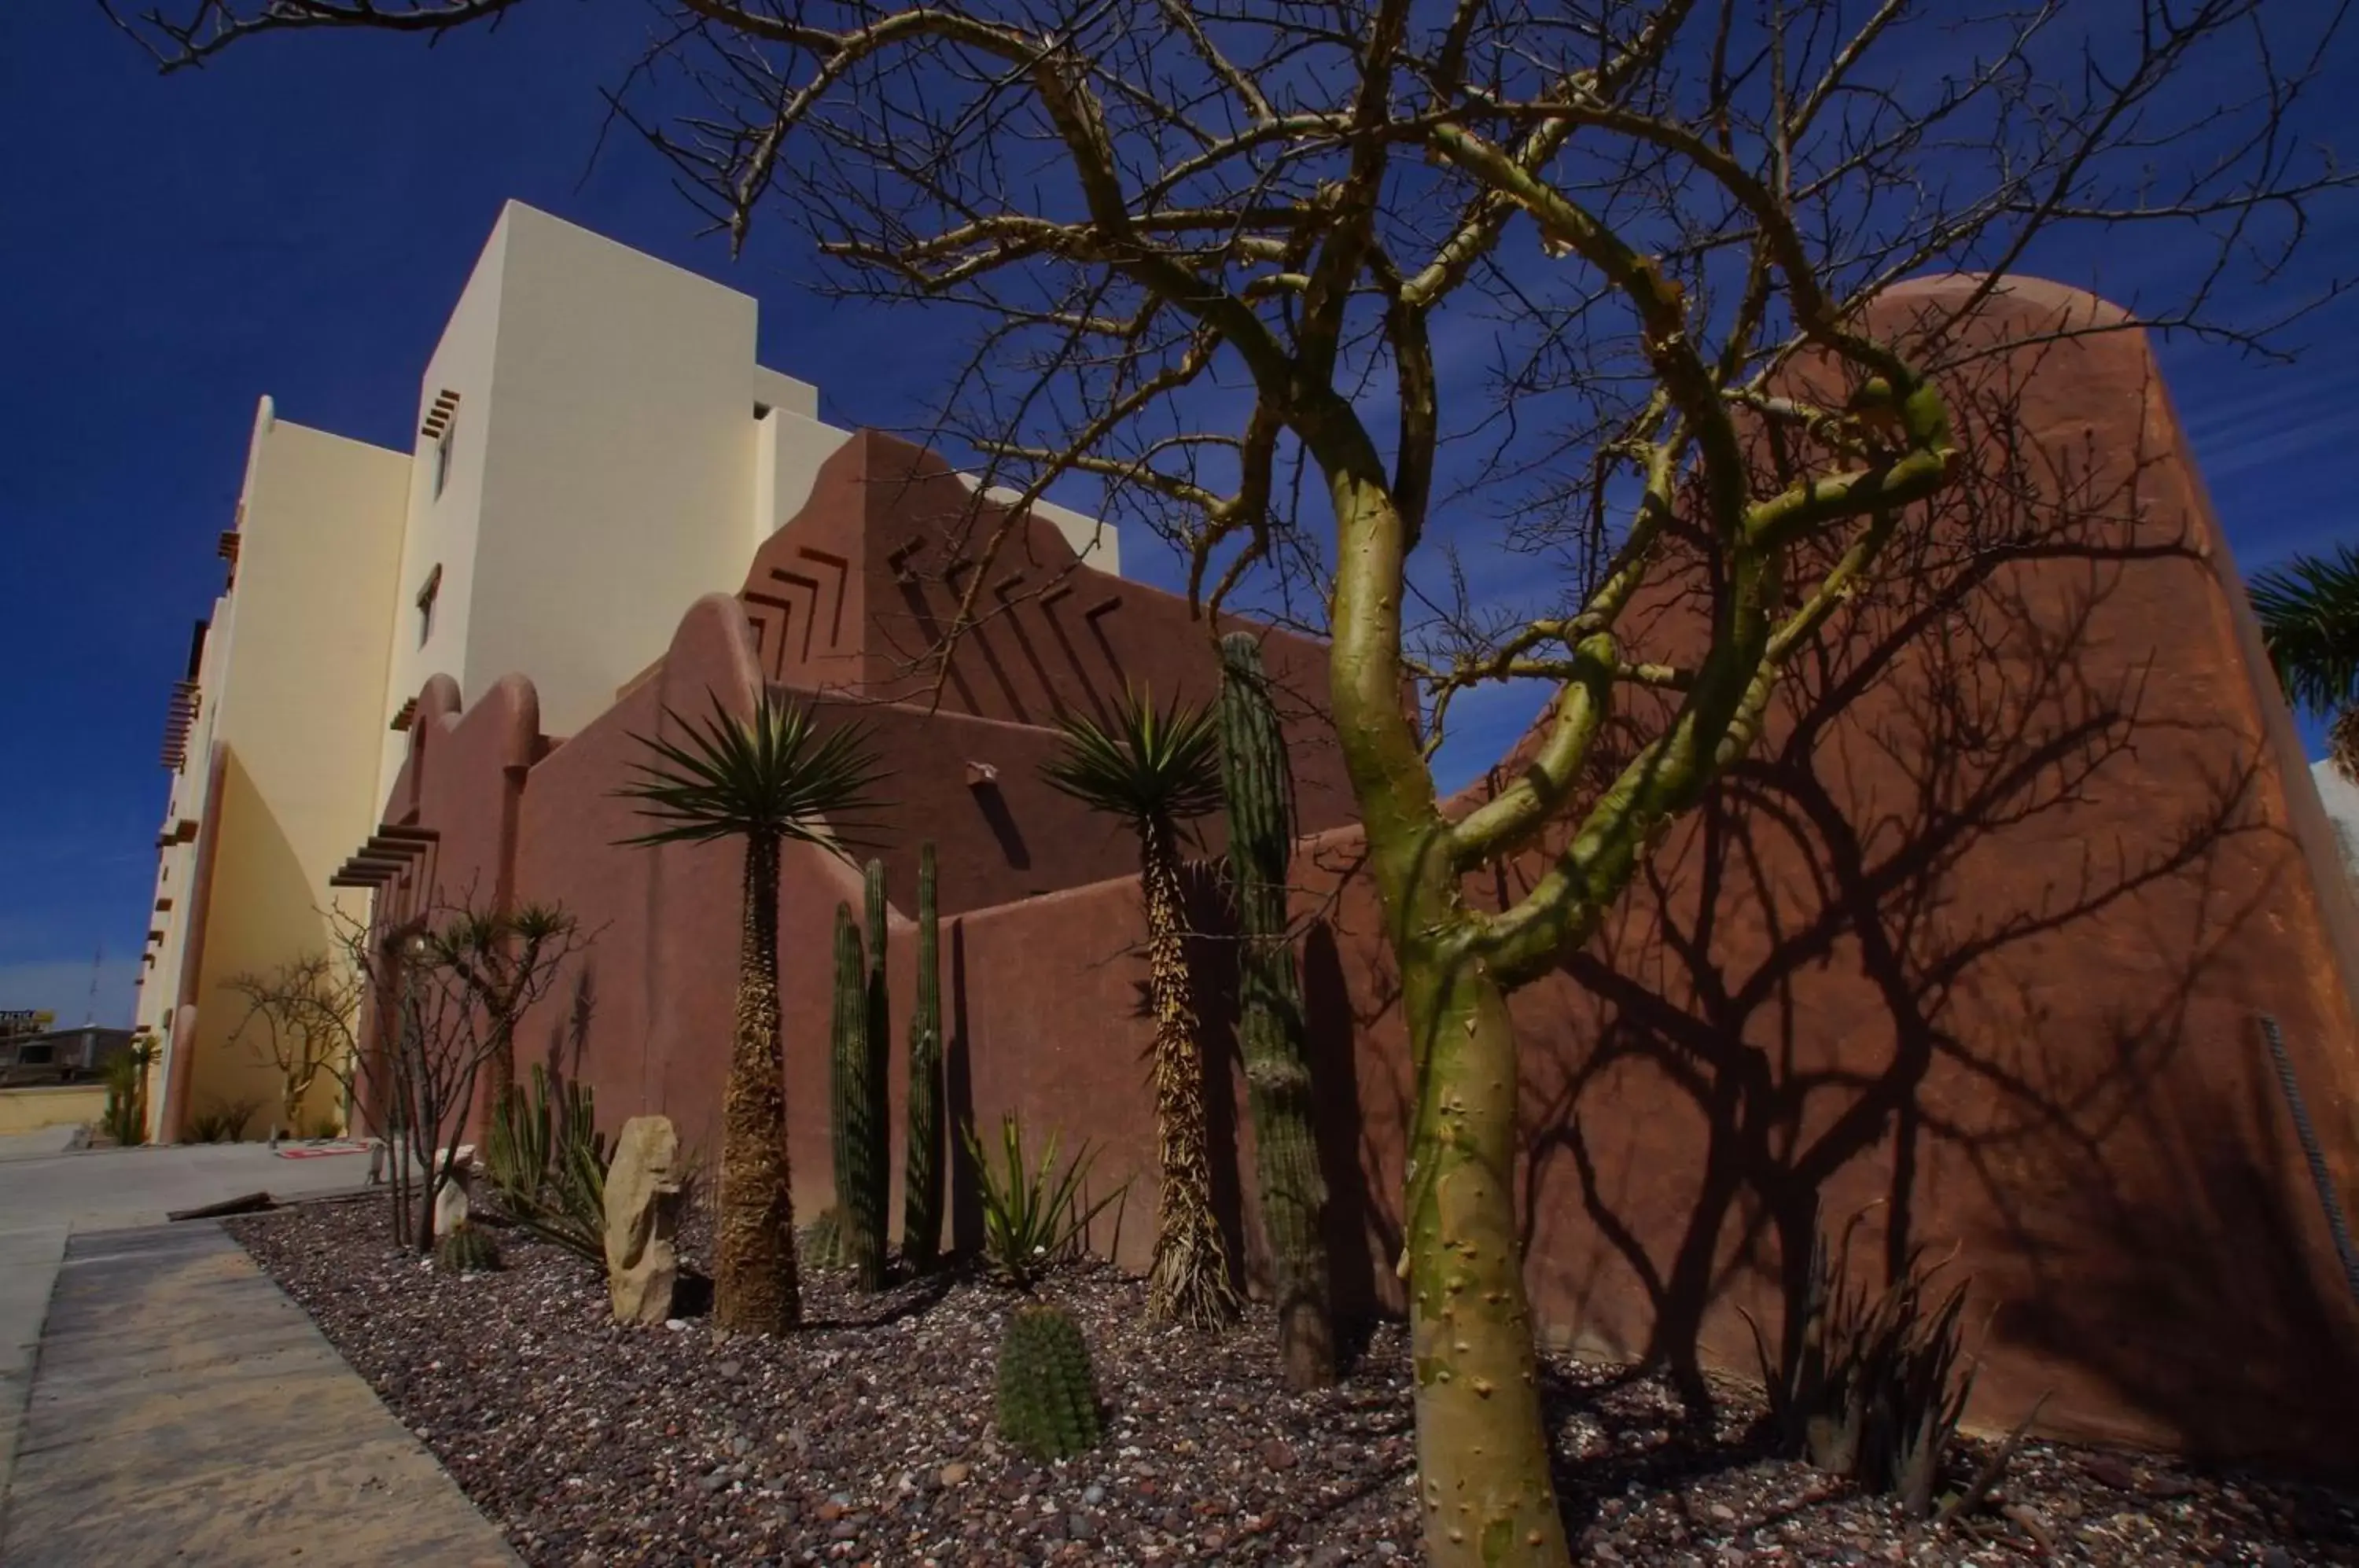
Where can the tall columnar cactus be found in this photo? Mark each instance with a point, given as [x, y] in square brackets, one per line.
[921, 1175]
[1258, 784]
[853, 1126]
[1047, 1400]
[866, 1211]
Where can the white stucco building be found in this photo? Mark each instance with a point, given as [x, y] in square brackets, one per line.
[596, 446]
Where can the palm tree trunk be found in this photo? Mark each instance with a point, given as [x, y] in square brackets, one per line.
[1190, 1279]
[2342, 742]
[754, 1286]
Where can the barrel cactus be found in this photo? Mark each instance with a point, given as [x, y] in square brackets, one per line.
[466, 1249]
[1258, 782]
[1048, 1399]
[921, 1175]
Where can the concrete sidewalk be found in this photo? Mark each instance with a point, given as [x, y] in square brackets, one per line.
[47, 1195]
[161, 1401]
[29, 1256]
[110, 1188]
[184, 1409]
[44, 1143]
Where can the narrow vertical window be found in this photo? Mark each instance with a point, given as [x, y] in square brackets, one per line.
[426, 597]
[442, 424]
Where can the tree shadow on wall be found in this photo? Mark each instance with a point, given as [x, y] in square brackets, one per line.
[1959, 908]
[958, 1078]
[1214, 945]
[568, 1034]
[1359, 1232]
[2197, 1287]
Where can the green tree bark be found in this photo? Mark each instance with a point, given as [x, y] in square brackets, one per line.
[1483, 1487]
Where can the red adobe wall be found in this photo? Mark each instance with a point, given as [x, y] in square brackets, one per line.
[1981, 932]
[847, 596]
[465, 775]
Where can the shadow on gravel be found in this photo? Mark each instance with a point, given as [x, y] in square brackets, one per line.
[907, 1298]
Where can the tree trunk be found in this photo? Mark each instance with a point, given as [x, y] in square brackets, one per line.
[503, 1062]
[755, 1286]
[1189, 1281]
[422, 1229]
[422, 1226]
[2342, 742]
[1483, 1449]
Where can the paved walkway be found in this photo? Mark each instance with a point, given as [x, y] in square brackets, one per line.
[163, 1401]
[47, 1194]
[46, 1144]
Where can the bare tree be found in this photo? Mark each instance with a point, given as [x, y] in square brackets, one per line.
[302, 1019]
[449, 982]
[1234, 260]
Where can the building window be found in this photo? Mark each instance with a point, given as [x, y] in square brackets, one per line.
[426, 597]
[441, 422]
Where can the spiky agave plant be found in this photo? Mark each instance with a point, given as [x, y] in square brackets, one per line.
[2309, 610]
[1159, 769]
[764, 779]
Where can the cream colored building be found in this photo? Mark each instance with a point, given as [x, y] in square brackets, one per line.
[273, 751]
[596, 447]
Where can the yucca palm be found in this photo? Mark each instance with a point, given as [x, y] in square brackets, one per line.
[2309, 610]
[765, 779]
[1158, 770]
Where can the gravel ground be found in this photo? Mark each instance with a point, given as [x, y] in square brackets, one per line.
[866, 1438]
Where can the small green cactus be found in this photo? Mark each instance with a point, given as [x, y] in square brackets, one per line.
[1047, 1400]
[468, 1249]
[821, 1245]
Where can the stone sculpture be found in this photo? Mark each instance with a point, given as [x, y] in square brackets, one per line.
[642, 1212]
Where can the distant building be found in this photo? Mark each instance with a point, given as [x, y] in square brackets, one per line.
[16, 1022]
[596, 448]
[59, 1056]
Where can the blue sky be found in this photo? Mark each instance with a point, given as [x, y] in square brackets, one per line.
[297, 220]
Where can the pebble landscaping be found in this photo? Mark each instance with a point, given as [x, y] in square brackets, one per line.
[866, 1438]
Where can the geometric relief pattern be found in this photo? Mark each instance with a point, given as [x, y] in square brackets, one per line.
[774, 615]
